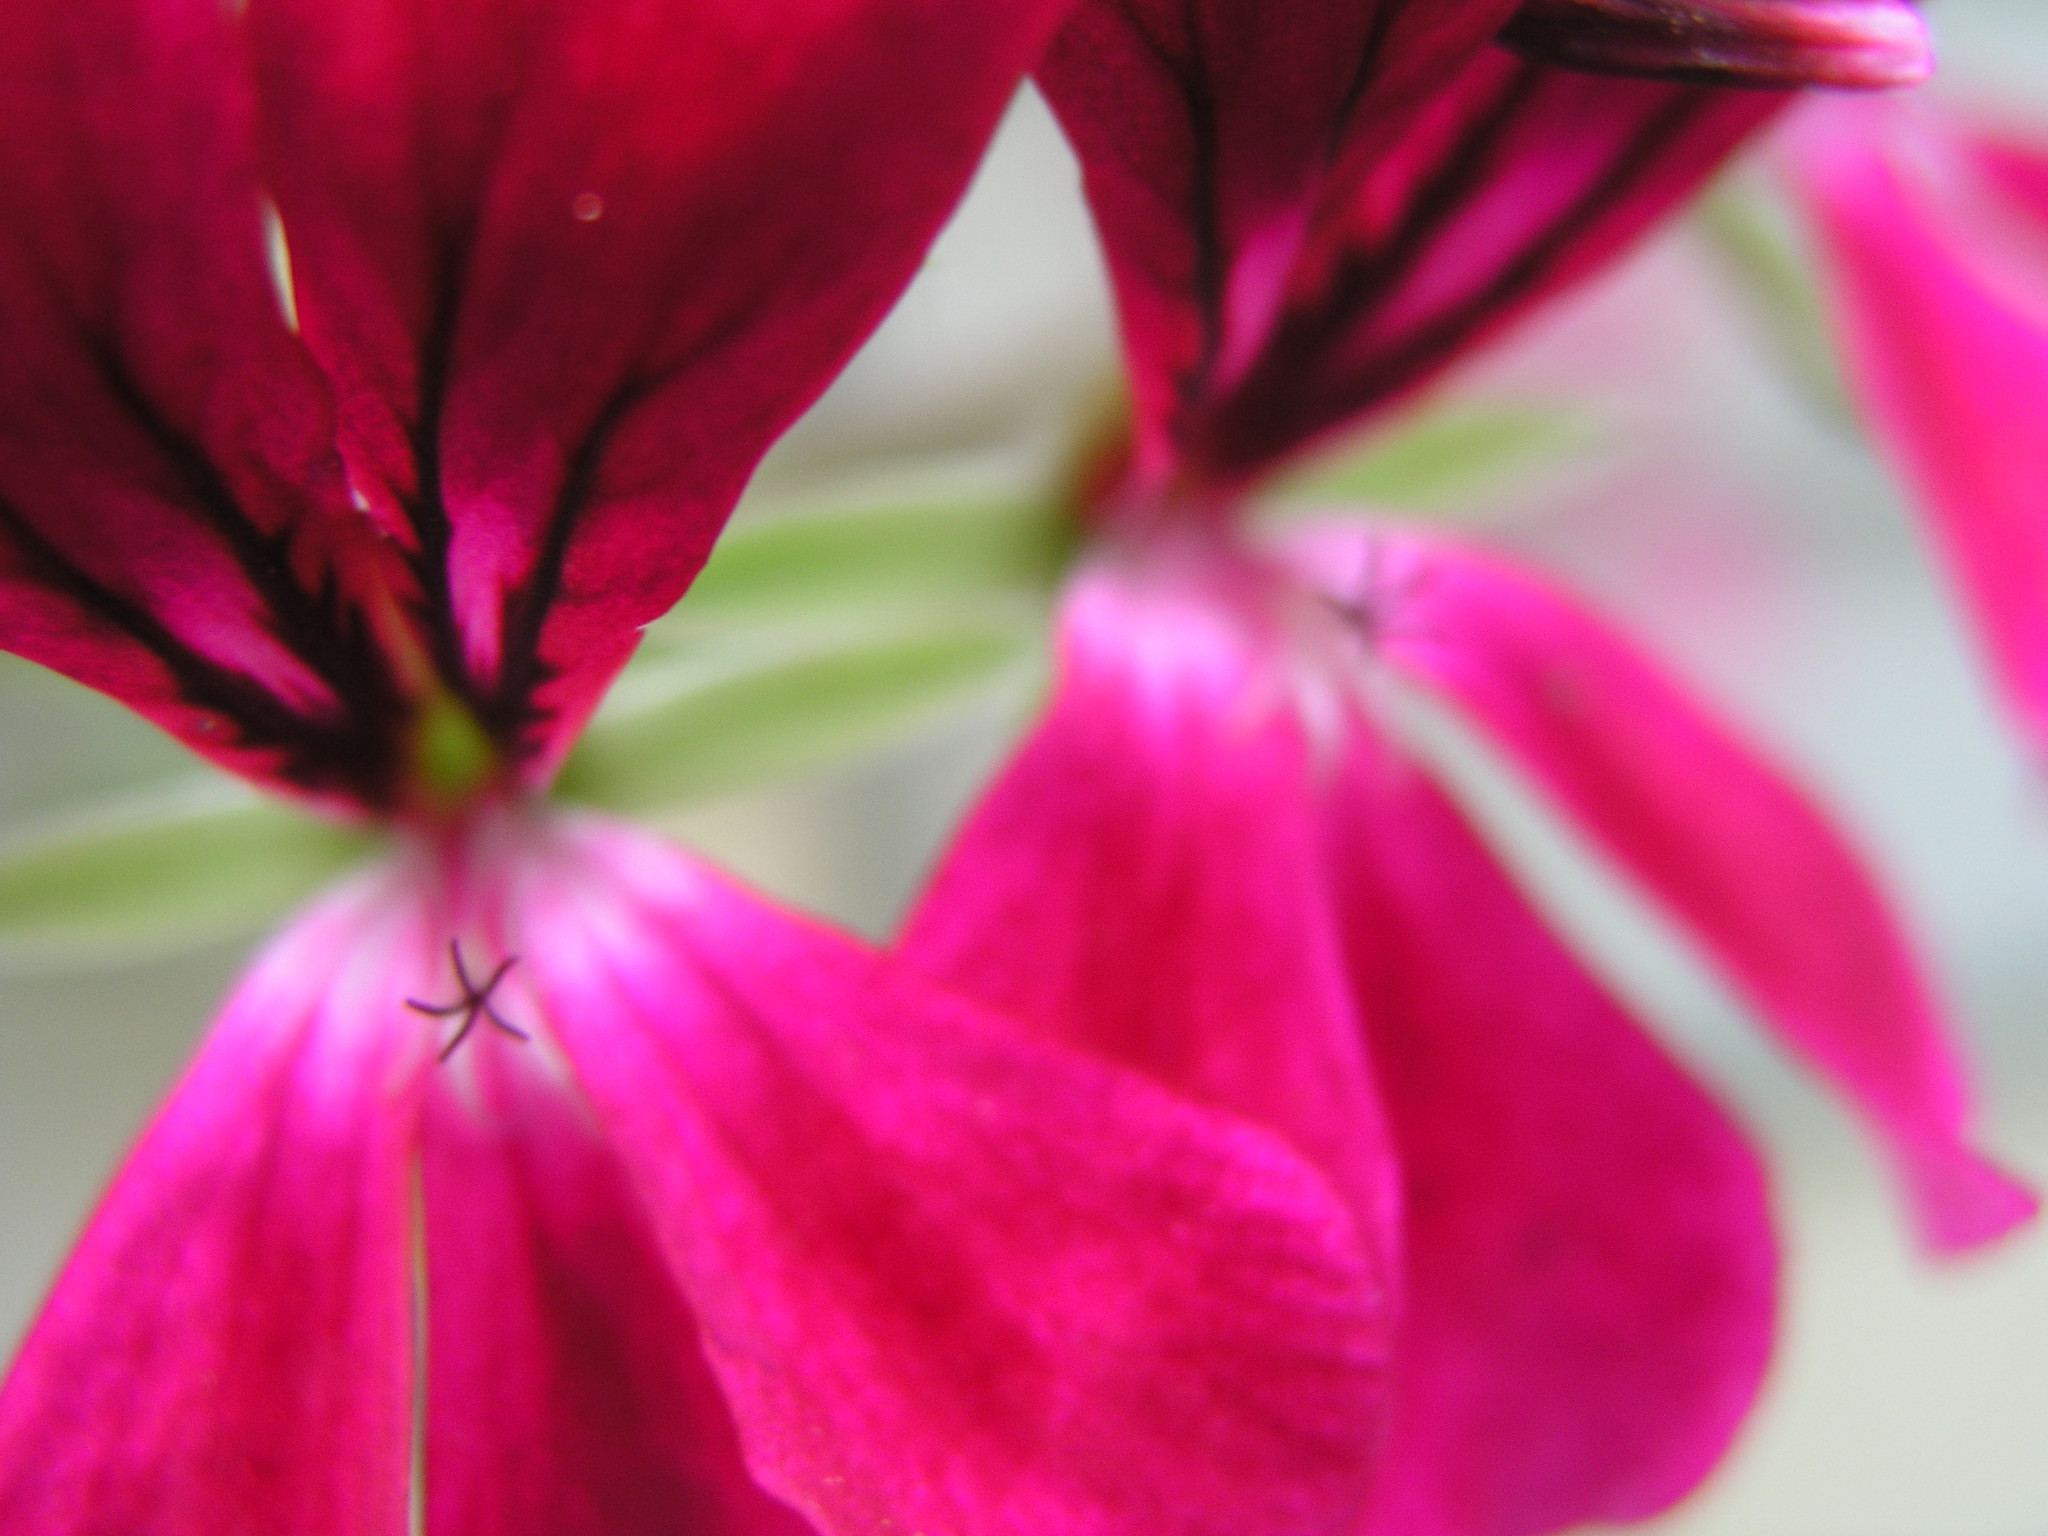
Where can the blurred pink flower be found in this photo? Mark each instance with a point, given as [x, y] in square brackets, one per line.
[711, 1215]
[1213, 860]
[1936, 234]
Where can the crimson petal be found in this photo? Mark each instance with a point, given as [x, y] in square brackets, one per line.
[1306, 216]
[573, 266]
[1591, 1263]
[1207, 129]
[174, 525]
[1145, 880]
[1517, 181]
[561, 271]
[231, 1345]
[567, 1393]
[1738, 854]
[952, 1278]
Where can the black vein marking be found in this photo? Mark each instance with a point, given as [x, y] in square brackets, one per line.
[1534, 258]
[342, 754]
[1291, 373]
[1190, 78]
[474, 1004]
[320, 627]
[1362, 73]
[426, 510]
[1365, 275]
[510, 711]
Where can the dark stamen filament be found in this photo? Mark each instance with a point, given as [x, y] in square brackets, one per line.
[475, 1002]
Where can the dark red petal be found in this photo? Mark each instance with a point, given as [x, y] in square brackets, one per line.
[1207, 129]
[952, 1278]
[1736, 851]
[1590, 1258]
[1145, 879]
[567, 1393]
[573, 265]
[230, 1348]
[1515, 181]
[1774, 44]
[174, 526]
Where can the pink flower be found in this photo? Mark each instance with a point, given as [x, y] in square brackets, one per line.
[708, 1216]
[1219, 859]
[1933, 228]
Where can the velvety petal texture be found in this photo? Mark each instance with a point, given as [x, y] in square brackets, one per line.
[367, 356]
[174, 523]
[566, 1391]
[573, 267]
[1739, 855]
[712, 1220]
[1852, 44]
[1207, 129]
[1204, 864]
[1145, 879]
[1935, 238]
[1305, 219]
[1516, 181]
[1590, 1287]
[231, 1346]
[951, 1278]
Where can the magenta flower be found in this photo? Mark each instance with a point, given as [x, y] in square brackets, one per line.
[1934, 231]
[1220, 859]
[708, 1216]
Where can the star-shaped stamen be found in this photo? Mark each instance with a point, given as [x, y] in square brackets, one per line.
[475, 1002]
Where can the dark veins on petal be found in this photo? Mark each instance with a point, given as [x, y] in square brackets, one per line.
[342, 756]
[510, 710]
[1363, 324]
[322, 628]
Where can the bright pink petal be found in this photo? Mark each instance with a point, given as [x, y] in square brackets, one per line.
[1145, 880]
[1207, 129]
[1590, 1257]
[230, 1348]
[1740, 855]
[567, 1393]
[1942, 290]
[1516, 181]
[174, 524]
[1846, 44]
[574, 266]
[951, 1278]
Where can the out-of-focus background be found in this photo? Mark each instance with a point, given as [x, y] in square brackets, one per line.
[1708, 502]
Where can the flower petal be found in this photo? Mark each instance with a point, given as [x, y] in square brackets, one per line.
[1739, 854]
[1851, 44]
[1942, 296]
[1516, 181]
[230, 1348]
[1206, 128]
[174, 525]
[574, 266]
[1307, 217]
[567, 1393]
[952, 1278]
[1591, 1264]
[1145, 881]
